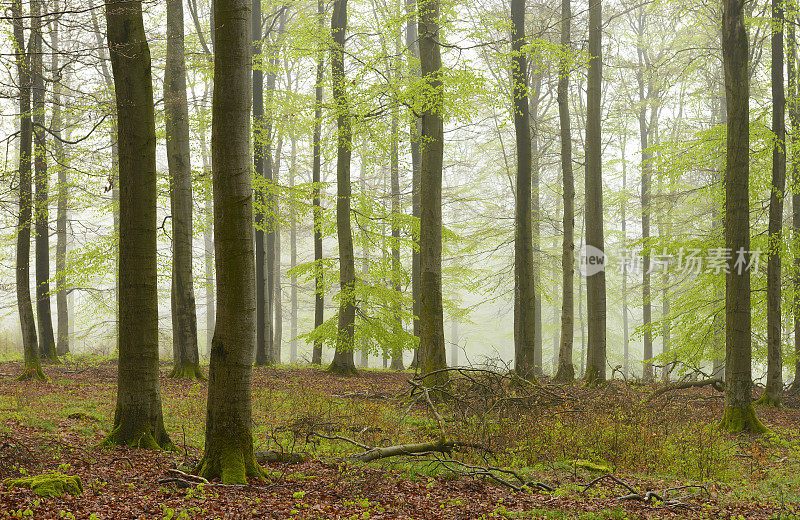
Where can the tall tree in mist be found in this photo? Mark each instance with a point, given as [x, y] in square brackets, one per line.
[176, 114]
[431, 349]
[739, 413]
[566, 370]
[596, 283]
[138, 419]
[343, 357]
[774, 387]
[524, 289]
[228, 440]
[319, 286]
[27, 321]
[44, 316]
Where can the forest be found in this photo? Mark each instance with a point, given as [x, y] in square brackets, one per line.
[402, 259]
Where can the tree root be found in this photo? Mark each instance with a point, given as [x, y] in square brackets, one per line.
[187, 371]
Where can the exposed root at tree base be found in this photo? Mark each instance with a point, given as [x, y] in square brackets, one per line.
[768, 400]
[143, 439]
[342, 370]
[565, 374]
[32, 372]
[737, 420]
[187, 371]
[230, 465]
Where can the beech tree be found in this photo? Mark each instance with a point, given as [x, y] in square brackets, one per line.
[524, 289]
[343, 357]
[27, 321]
[566, 369]
[739, 413]
[228, 450]
[138, 419]
[596, 283]
[319, 286]
[432, 355]
[184, 317]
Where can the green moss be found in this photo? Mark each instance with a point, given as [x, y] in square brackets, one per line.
[342, 370]
[593, 379]
[565, 374]
[48, 485]
[143, 439]
[737, 420]
[32, 371]
[768, 400]
[231, 460]
[591, 466]
[187, 371]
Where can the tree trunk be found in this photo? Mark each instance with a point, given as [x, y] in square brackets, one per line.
[319, 285]
[794, 119]
[277, 295]
[626, 340]
[646, 164]
[415, 131]
[739, 413]
[536, 215]
[293, 258]
[138, 418]
[113, 176]
[343, 357]
[595, 284]
[394, 172]
[774, 386]
[431, 349]
[566, 370]
[524, 289]
[229, 441]
[44, 318]
[208, 235]
[362, 182]
[262, 343]
[27, 321]
[176, 115]
[62, 312]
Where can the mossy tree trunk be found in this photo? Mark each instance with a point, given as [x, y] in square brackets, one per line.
[27, 321]
[228, 441]
[431, 345]
[343, 362]
[566, 369]
[184, 317]
[138, 417]
[739, 414]
[794, 118]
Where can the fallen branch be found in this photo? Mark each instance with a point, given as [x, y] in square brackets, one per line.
[272, 456]
[715, 383]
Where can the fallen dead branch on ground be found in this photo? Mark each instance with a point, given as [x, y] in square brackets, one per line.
[715, 383]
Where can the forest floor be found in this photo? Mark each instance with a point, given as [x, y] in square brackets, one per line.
[563, 439]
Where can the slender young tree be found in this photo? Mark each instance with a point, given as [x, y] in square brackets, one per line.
[415, 131]
[62, 193]
[176, 114]
[645, 84]
[566, 370]
[229, 441]
[596, 283]
[774, 386]
[33, 369]
[343, 357]
[739, 413]
[394, 172]
[44, 317]
[319, 285]
[524, 289]
[432, 357]
[138, 419]
[794, 121]
[262, 343]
